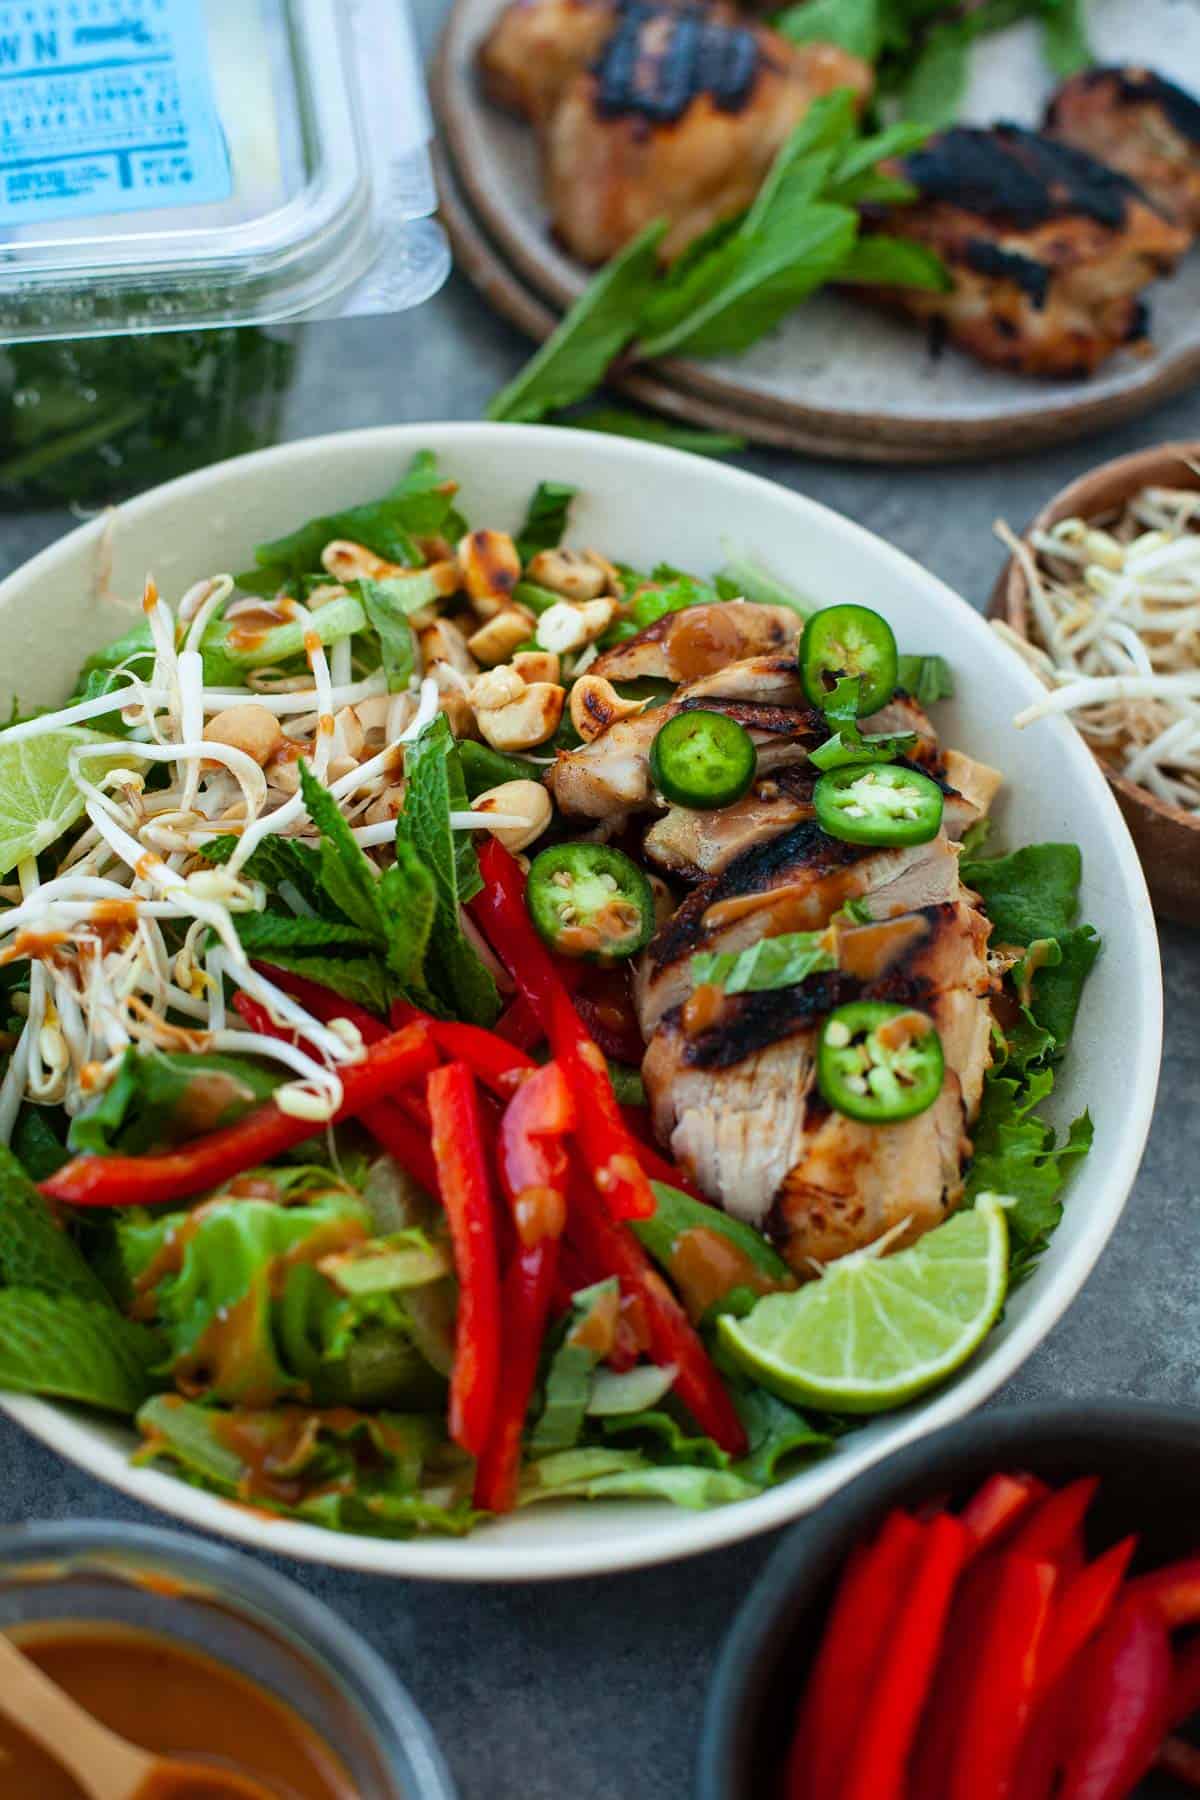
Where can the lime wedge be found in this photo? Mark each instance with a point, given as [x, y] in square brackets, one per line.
[875, 1331]
[39, 799]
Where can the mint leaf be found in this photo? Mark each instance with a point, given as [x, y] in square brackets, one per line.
[264, 933]
[347, 874]
[73, 1348]
[408, 900]
[882, 261]
[855, 25]
[546, 520]
[575, 357]
[362, 979]
[777, 962]
[421, 505]
[387, 607]
[623, 422]
[1065, 38]
[747, 286]
[35, 1251]
[434, 786]
[276, 861]
[926, 678]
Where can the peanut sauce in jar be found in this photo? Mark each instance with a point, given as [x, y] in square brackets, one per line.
[175, 1702]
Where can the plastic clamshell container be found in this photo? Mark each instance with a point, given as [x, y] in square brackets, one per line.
[185, 167]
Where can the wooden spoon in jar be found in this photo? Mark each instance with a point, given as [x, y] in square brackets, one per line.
[105, 1766]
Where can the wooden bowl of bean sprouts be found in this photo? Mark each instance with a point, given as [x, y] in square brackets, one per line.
[1101, 597]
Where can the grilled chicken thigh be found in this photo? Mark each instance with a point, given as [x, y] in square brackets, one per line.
[1138, 123]
[734, 1094]
[648, 110]
[701, 640]
[1049, 249]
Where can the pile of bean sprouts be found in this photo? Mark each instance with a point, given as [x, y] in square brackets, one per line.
[1114, 622]
[131, 939]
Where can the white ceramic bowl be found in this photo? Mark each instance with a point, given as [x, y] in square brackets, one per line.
[641, 504]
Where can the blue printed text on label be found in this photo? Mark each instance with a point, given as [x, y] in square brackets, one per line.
[106, 106]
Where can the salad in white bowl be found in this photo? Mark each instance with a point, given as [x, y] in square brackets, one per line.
[498, 1014]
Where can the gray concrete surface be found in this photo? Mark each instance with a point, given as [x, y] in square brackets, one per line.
[593, 1691]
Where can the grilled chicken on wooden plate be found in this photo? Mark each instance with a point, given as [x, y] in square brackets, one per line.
[1137, 122]
[646, 111]
[1050, 249]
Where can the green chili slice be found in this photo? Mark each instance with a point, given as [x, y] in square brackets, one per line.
[849, 641]
[879, 1063]
[878, 803]
[591, 901]
[703, 760]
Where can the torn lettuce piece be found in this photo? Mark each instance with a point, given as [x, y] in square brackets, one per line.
[595, 1473]
[259, 1300]
[159, 1098]
[229, 650]
[72, 1348]
[387, 1474]
[583, 1339]
[1018, 1153]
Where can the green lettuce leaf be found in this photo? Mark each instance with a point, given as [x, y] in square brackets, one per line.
[70, 1347]
[35, 1251]
[546, 520]
[568, 1384]
[386, 1474]
[1030, 893]
[745, 578]
[599, 1474]
[665, 1439]
[1018, 1153]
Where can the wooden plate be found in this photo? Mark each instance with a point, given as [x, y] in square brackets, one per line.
[838, 378]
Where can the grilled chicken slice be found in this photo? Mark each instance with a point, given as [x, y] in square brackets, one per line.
[694, 844]
[701, 640]
[1135, 121]
[680, 118]
[1049, 249]
[536, 48]
[733, 1092]
[793, 882]
[610, 777]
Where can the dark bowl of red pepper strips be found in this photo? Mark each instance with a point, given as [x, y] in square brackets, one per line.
[1010, 1608]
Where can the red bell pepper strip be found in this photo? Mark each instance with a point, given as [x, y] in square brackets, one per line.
[1119, 1706]
[528, 1283]
[605, 1005]
[1182, 1760]
[325, 1005]
[859, 1623]
[1004, 1665]
[533, 1173]
[1185, 1680]
[405, 1141]
[1173, 1591]
[399, 1058]
[610, 1248]
[461, 1157]
[1053, 1531]
[518, 1025]
[499, 1065]
[1084, 1603]
[893, 1702]
[998, 1504]
[500, 913]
